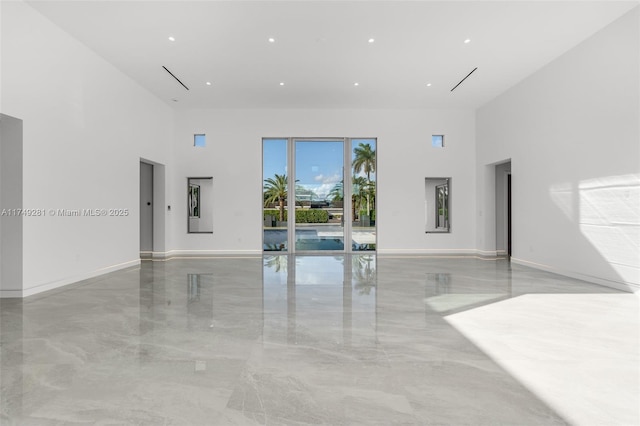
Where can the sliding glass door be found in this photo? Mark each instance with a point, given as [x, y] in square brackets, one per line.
[275, 191]
[328, 209]
[363, 194]
[319, 166]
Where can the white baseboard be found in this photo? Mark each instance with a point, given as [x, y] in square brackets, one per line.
[70, 280]
[436, 252]
[146, 255]
[10, 294]
[172, 254]
[618, 285]
[490, 253]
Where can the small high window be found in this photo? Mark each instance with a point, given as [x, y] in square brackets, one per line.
[437, 141]
[199, 140]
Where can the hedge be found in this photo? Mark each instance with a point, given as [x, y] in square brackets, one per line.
[302, 216]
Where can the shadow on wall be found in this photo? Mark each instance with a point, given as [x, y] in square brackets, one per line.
[605, 212]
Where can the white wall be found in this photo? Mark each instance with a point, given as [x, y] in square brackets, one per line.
[86, 126]
[572, 132]
[233, 157]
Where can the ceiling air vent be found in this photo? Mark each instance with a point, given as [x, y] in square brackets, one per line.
[454, 87]
[177, 79]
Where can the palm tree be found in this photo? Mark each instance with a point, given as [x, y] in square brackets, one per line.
[371, 194]
[275, 189]
[363, 273]
[278, 262]
[337, 192]
[359, 190]
[365, 161]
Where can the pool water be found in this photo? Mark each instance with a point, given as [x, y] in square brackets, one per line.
[276, 240]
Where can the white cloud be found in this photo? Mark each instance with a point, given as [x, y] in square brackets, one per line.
[332, 179]
[321, 190]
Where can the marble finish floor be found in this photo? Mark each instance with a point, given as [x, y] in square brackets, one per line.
[334, 340]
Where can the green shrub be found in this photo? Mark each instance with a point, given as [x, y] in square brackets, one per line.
[302, 216]
[273, 212]
[312, 216]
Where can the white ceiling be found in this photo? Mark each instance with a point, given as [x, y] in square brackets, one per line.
[322, 48]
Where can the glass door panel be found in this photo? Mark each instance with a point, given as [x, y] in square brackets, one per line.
[274, 194]
[363, 194]
[319, 209]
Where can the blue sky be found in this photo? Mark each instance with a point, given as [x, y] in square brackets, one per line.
[318, 165]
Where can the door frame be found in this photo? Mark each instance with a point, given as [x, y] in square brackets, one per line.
[509, 212]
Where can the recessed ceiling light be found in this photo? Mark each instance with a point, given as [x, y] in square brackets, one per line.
[356, 84]
[172, 38]
[208, 83]
[371, 40]
[272, 40]
[467, 41]
[428, 84]
[282, 83]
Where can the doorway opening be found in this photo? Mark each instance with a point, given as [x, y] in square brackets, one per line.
[152, 210]
[146, 210]
[329, 208]
[503, 209]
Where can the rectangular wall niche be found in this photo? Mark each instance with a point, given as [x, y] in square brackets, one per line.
[200, 205]
[438, 205]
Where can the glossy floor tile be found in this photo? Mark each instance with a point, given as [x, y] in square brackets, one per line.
[342, 340]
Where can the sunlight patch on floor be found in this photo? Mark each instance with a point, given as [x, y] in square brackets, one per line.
[579, 353]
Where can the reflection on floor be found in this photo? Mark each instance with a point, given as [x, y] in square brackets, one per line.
[322, 340]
